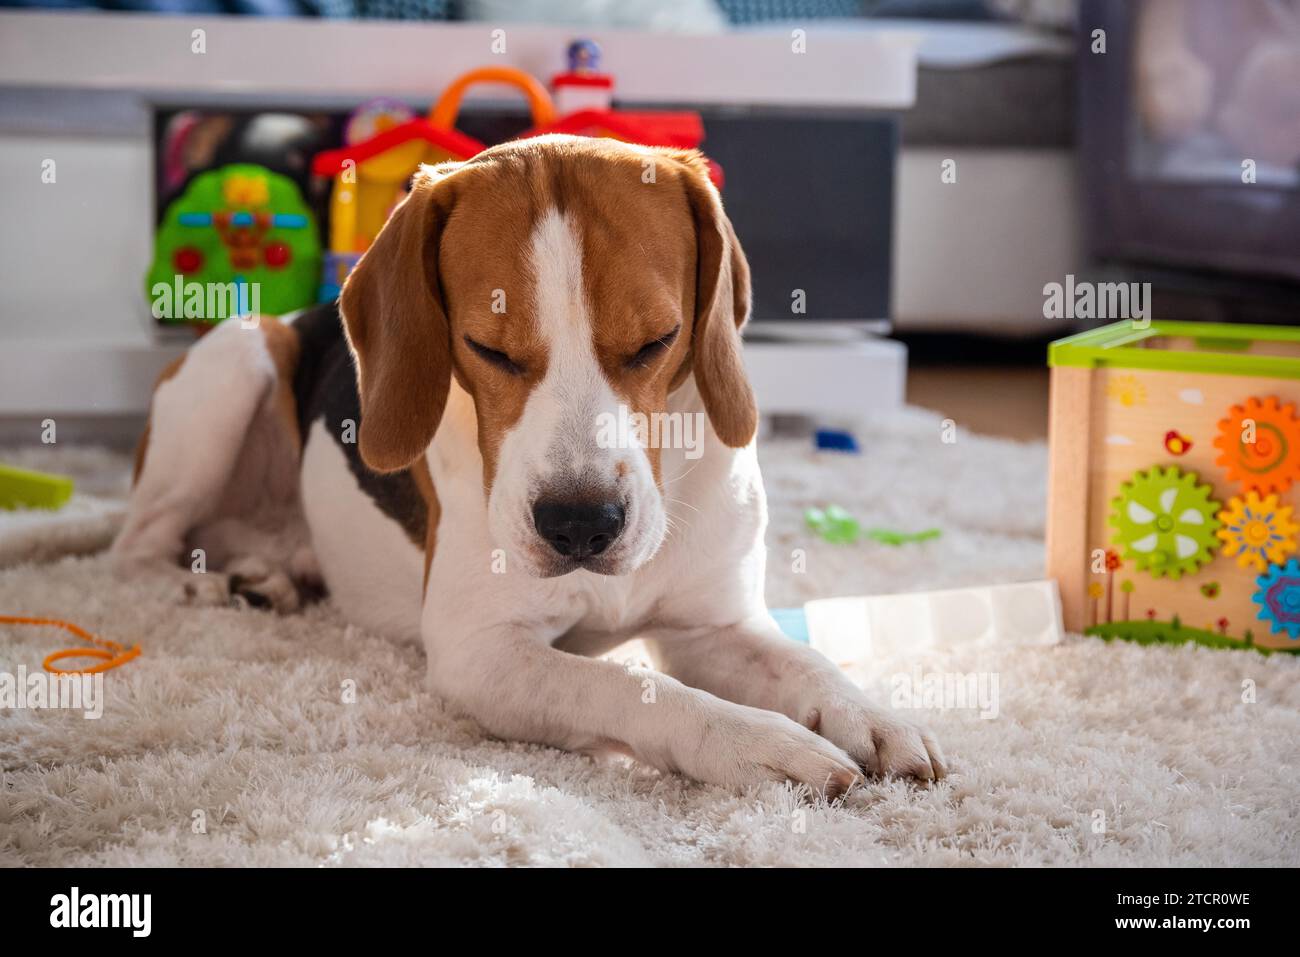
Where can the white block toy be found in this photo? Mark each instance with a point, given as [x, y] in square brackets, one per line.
[850, 630]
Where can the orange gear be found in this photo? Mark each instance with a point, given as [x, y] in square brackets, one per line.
[1271, 462]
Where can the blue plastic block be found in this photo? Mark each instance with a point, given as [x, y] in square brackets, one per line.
[836, 441]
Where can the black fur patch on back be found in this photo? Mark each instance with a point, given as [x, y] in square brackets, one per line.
[325, 386]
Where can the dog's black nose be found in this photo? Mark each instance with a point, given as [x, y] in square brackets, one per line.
[578, 530]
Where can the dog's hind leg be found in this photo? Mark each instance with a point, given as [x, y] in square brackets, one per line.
[217, 470]
[201, 412]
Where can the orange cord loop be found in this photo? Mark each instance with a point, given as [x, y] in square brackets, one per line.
[111, 652]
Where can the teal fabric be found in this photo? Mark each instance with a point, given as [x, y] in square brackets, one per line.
[792, 622]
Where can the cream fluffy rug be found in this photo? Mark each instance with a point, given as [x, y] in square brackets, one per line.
[234, 719]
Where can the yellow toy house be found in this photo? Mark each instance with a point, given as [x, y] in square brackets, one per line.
[371, 177]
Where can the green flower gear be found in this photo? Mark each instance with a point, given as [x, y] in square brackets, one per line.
[1165, 522]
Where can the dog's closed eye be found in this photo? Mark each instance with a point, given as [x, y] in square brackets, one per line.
[495, 357]
[647, 353]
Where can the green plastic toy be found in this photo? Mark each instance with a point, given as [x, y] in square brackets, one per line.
[838, 527]
[887, 536]
[834, 524]
[20, 488]
[239, 240]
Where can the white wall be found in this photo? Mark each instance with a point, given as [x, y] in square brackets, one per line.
[75, 332]
[975, 254]
[73, 253]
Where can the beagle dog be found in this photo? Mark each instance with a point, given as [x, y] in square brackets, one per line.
[439, 461]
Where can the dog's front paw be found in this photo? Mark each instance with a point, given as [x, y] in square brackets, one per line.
[255, 583]
[879, 742]
[206, 590]
[748, 746]
[249, 582]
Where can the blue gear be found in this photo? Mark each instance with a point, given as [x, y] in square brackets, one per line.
[1279, 598]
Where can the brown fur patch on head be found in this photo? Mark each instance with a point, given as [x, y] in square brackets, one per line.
[663, 265]
[638, 270]
[638, 244]
[447, 289]
[488, 285]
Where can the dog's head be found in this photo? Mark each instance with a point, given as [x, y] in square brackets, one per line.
[570, 286]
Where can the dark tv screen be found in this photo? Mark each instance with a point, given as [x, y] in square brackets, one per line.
[812, 203]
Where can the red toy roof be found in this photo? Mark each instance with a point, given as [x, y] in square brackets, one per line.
[330, 162]
[683, 130]
[601, 81]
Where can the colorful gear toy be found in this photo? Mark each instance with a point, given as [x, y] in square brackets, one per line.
[1259, 531]
[1271, 463]
[1166, 522]
[1279, 598]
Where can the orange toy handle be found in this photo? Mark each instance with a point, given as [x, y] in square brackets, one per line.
[111, 652]
[444, 112]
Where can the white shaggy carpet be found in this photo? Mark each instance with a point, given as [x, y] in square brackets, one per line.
[238, 715]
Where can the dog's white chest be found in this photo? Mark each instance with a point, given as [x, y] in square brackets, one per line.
[373, 570]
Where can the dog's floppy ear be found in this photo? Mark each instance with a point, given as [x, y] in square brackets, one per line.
[398, 331]
[722, 300]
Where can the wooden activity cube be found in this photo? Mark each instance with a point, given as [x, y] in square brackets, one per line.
[1173, 500]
